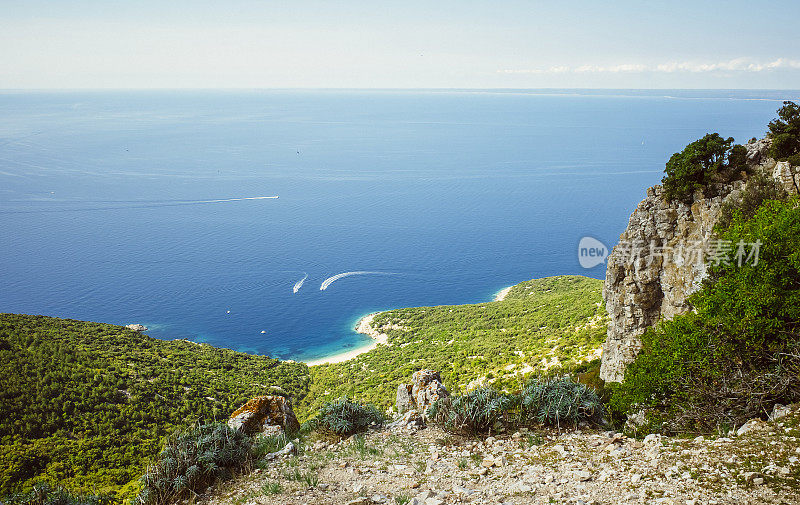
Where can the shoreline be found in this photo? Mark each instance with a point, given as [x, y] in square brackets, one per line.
[363, 326]
[501, 295]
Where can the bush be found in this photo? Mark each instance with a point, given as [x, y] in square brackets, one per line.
[344, 417]
[785, 132]
[45, 494]
[759, 189]
[558, 402]
[193, 460]
[738, 354]
[475, 412]
[709, 159]
[266, 444]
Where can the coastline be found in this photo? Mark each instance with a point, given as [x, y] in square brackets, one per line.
[363, 326]
[501, 295]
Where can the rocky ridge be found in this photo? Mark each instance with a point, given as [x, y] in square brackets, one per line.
[758, 463]
[655, 267]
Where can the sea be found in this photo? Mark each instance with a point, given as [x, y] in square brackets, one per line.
[148, 206]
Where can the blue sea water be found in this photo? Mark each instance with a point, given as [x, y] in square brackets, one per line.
[106, 212]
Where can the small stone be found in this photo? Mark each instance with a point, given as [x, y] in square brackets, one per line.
[779, 411]
[751, 477]
[758, 481]
[748, 426]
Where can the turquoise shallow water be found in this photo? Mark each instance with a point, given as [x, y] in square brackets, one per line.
[109, 211]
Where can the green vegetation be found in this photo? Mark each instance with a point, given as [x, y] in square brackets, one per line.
[785, 134]
[709, 159]
[559, 402]
[45, 494]
[477, 411]
[86, 404]
[542, 326]
[739, 353]
[760, 188]
[192, 460]
[544, 402]
[344, 417]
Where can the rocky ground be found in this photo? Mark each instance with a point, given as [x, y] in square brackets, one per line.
[758, 464]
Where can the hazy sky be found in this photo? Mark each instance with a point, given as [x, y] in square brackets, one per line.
[434, 43]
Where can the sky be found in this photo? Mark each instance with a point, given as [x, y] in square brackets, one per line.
[74, 44]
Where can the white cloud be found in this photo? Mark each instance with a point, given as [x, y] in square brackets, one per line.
[734, 65]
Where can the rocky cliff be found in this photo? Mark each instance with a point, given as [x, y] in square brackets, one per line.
[662, 258]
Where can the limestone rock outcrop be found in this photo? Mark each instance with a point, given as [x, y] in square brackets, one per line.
[267, 415]
[426, 387]
[661, 259]
[136, 327]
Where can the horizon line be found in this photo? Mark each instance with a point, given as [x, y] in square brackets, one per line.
[319, 88]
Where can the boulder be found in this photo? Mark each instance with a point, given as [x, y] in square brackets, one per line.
[426, 387]
[136, 327]
[779, 412]
[267, 415]
[752, 424]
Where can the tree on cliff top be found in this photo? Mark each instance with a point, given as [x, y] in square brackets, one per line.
[785, 133]
[711, 158]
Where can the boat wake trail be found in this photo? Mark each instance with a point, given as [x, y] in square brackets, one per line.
[299, 284]
[229, 199]
[330, 280]
[131, 204]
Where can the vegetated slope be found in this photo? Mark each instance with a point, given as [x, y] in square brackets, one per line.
[542, 325]
[86, 403]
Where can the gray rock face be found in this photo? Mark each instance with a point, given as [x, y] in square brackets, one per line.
[426, 387]
[662, 258]
[136, 327]
[405, 402]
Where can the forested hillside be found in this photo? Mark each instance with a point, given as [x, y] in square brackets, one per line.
[87, 404]
[541, 326]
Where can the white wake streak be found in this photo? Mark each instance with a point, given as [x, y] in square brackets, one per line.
[330, 280]
[299, 284]
[232, 199]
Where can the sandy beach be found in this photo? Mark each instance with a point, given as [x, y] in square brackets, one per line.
[364, 326]
[501, 295]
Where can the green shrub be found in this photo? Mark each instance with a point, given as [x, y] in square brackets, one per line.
[192, 460]
[344, 417]
[266, 444]
[557, 402]
[709, 159]
[785, 132]
[474, 412]
[739, 353]
[759, 189]
[45, 494]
